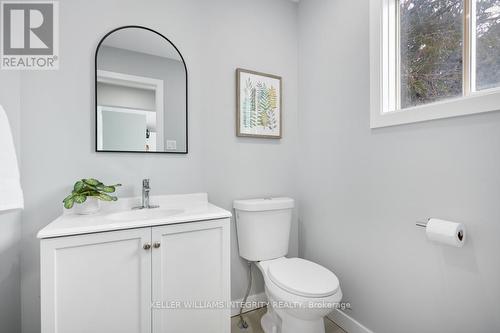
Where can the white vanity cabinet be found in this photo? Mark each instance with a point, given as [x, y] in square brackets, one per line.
[96, 283]
[191, 266]
[168, 278]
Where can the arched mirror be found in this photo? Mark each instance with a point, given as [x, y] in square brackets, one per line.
[140, 93]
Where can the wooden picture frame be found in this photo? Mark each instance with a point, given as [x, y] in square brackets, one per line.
[258, 104]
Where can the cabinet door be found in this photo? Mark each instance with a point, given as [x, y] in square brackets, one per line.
[191, 269]
[99, 283]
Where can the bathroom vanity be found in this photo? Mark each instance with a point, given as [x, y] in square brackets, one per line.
[135, 271]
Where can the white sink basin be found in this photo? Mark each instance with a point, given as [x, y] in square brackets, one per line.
[174, 209]
[144, 214]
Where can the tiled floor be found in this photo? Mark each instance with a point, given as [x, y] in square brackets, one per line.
[253, 320]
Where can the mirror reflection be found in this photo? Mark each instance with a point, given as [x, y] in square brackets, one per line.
[141, 93]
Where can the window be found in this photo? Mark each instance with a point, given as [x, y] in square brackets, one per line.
[433, 59]
[430, 48]
[487, 44]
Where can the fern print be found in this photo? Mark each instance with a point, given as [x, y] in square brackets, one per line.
[273, 98]
[246, 104]
[273, 102]
[260, 105]
[264, 104]
[254, 117]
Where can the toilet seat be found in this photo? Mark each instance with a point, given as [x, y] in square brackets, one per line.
[303, 278]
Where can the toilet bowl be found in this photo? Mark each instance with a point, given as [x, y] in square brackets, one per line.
[300, 292]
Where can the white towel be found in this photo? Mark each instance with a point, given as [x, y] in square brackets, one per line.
[11, 194]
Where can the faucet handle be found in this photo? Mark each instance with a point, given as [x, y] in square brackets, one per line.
[145, 183]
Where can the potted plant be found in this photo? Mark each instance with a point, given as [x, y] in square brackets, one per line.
[87, 193]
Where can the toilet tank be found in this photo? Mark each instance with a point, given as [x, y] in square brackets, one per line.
[263, 227]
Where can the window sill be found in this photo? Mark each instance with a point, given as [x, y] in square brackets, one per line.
[479, 102]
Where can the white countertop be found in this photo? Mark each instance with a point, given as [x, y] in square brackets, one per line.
[195, 207]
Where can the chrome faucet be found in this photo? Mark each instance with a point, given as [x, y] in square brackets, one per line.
[145, 193]
[145, 196]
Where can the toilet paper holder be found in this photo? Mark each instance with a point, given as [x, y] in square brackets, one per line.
[423, 224]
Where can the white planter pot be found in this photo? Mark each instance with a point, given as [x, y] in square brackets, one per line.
[90, 206]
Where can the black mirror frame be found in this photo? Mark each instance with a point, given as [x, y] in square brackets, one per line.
[95, 93]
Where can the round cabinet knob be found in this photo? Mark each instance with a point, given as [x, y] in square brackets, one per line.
[156, 245]
[146, 246]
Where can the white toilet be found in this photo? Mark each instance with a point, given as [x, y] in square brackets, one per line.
[300, 292]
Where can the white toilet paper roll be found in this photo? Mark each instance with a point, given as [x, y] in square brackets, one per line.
[446, 232]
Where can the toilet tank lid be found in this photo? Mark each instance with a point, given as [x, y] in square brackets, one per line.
[263, 204]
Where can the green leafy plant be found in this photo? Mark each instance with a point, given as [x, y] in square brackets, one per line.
[90, 187]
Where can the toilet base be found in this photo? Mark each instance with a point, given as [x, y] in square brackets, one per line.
[268, 325]
[281, 322]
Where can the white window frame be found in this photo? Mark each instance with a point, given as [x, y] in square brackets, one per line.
[384, 74]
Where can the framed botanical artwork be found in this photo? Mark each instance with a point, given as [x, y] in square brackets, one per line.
[258, 112]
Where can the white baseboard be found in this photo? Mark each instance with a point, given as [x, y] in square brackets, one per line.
[254, 299]
[348, 324]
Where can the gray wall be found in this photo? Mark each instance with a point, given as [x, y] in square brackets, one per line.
[258, 35]
[362, 190]
[10, 221]
[170, 71]
[57, 117]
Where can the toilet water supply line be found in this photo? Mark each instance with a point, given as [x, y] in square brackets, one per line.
[243, 324]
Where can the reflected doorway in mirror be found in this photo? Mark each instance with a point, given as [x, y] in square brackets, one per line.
[136, 99]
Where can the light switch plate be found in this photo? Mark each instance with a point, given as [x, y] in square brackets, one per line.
[171, 144]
